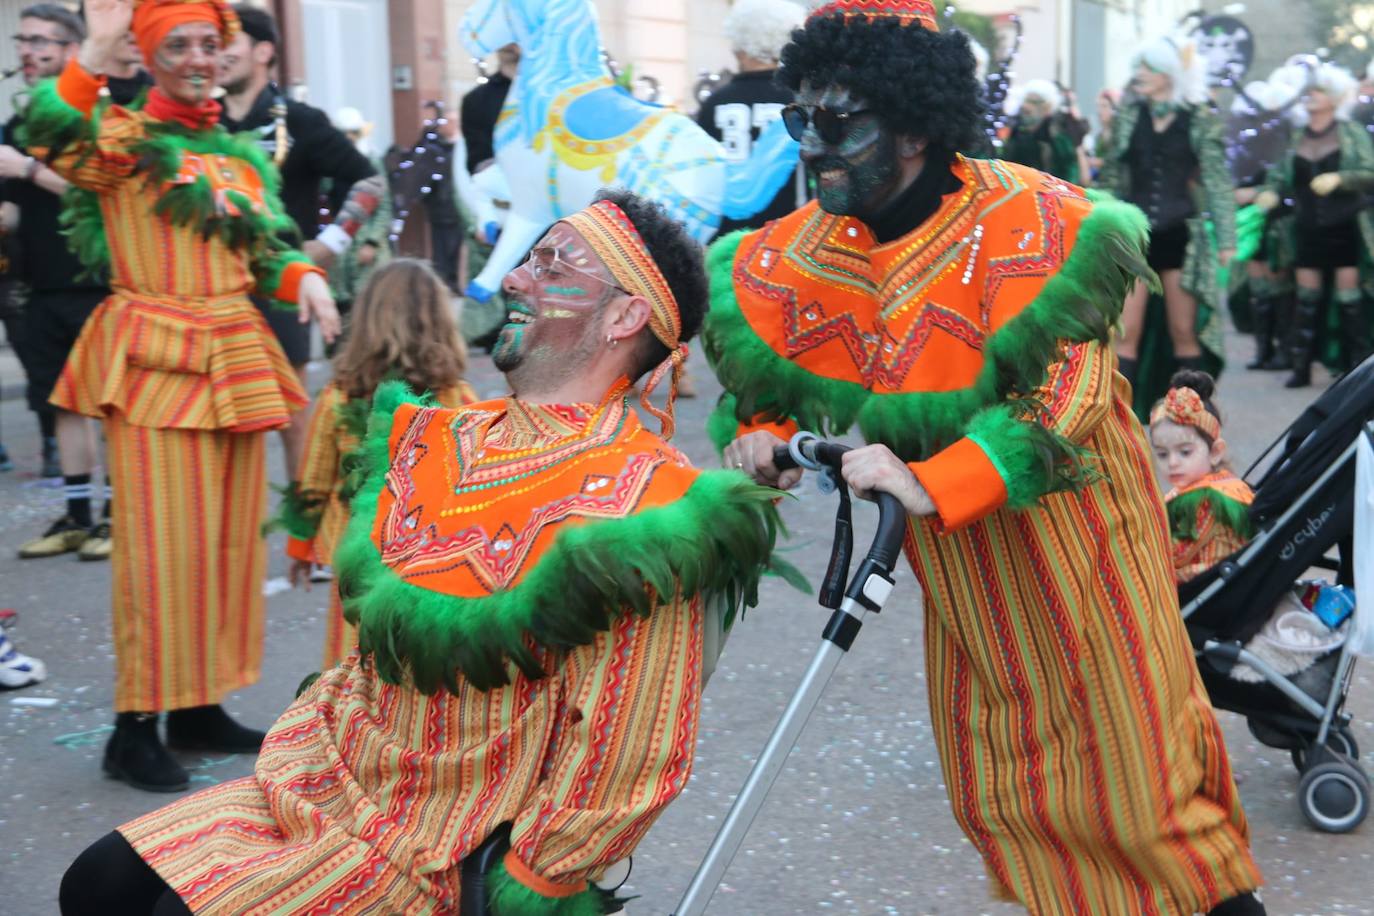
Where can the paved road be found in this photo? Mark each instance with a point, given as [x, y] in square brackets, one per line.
[858, 823]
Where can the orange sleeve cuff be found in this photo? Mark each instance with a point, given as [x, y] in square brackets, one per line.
[290, 288]
[297, 549]
[79, 89]
[784, 430]
[963, 483]
[540, 885]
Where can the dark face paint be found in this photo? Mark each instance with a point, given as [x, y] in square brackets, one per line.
[859, 174]
[553, 329]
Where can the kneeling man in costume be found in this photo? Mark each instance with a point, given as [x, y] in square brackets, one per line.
[959, 311]
[538, 583]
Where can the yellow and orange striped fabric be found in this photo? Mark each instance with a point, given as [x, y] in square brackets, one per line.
[320, 476]
[367, 795]
[188, 563]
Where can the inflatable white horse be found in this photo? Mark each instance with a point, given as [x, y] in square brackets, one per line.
[567, 130]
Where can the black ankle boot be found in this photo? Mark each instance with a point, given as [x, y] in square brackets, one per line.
[1262, 307]
[1128, 368]
[1354, 332]
[135, 755]
[1302, 341]
[209, 728]
[1244, 905]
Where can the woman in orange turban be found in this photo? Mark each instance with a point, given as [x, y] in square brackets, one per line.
[179, 365]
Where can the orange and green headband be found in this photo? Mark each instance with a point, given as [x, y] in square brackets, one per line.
[1185, 407]
[617, 243]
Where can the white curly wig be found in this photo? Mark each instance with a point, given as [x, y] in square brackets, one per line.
[1179, 60]
[761, 28]
[1043, 89]
[1337, 82]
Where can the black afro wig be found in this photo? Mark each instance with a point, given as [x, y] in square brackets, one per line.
[919, 82]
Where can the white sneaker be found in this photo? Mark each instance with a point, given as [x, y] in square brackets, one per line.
[16, 668]
[322, 574]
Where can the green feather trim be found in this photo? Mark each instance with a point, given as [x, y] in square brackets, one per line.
[1184, 508]
[722, 425]
[508, 897]
[299, 512]
[714, 541]
[1031, 459]
[1081, 302]
[762, 381]
[83, 224]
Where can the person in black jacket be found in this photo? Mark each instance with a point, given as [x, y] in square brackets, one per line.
[482, 106]
[736, 113]
[307, 149]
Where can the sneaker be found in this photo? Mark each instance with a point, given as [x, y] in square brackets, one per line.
[64, 536]
[321, 574]
[52, 467]
[17, 669]
[98, 545]
[5, 463]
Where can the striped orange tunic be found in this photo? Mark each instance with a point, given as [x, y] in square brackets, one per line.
[367, 794]
[186, 375]
[320, 478]
[1081, 753]
[1208, 522]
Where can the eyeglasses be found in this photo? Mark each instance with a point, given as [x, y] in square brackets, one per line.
[543, 262]
[830, 125]
[38, 42]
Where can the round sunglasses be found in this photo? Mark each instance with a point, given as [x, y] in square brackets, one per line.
[830, 125]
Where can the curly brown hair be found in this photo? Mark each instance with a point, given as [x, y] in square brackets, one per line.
[402, 326]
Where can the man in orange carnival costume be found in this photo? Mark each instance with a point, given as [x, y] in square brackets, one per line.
[180, 367]
[533, 580]
[959, 312]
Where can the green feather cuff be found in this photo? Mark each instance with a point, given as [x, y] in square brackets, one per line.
[299, 512]
[714, 541]
[1031, 460]
[508, 897]
[1183, 511]
[1081, 302]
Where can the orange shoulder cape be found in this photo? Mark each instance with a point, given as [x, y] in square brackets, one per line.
[811, 320]
[1224, 495]
[463, 560]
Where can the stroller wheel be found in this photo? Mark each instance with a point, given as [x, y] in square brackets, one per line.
[1339, 740]
[1334, 796]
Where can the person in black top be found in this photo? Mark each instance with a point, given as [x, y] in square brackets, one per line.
[61, 295]
[736, 113]
[441, 206]
[482, 106]
[307, 149]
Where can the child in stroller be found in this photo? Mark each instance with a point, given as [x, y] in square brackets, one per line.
[1209, 506]
[1303, 517]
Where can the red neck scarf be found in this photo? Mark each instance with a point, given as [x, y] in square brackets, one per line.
[197, 117]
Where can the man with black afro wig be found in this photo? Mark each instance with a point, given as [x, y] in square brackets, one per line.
[959, 311]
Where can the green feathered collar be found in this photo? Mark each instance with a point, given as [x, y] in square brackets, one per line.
[1080, 303]
[1227, 511]
[715, 541]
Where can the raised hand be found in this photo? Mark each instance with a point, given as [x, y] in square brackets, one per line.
[107, 23]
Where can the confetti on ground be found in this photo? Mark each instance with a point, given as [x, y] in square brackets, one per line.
[43, 702]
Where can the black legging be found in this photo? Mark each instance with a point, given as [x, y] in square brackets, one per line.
[109, 875]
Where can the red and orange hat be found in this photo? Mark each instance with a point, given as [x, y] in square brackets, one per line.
[907, 12]
[154, 19]
[1185, 407]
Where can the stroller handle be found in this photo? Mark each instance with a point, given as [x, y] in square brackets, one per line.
[806, 450]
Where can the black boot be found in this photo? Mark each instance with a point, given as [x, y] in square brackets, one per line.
[1283, 312]
[1244, 905]
[135, 755]
[1354, 327]
[1302, 341]
[1262, 310]
[209, 728]
[1198, 362]
[1129, 369]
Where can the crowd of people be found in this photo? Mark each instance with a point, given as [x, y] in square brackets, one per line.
[529, 593]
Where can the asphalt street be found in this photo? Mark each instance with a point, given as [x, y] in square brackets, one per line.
[858, 822]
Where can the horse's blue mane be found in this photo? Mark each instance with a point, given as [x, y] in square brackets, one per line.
[560, 47]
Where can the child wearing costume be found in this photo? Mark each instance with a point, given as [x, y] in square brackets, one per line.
[1209, 506]
[407, 331]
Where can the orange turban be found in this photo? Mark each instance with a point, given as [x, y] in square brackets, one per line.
[153, 19]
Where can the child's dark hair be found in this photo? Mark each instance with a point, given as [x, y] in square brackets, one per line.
[1205, 386]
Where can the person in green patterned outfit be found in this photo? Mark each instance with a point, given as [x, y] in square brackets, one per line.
[1037, 138]
[1168, 157]
[1328, 170]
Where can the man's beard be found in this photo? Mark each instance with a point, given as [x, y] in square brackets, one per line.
[237, 87]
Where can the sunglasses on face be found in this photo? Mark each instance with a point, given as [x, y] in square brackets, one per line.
[830, 125]
[39, 43]
[546, 264]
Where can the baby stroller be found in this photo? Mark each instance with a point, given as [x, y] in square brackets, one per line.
[1305, 513]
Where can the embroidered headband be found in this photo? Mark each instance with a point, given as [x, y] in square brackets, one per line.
[617, 243]
[154, 19]
[1184, 406]
[920, 12]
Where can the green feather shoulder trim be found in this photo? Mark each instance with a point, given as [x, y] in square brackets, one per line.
[508, 897]
[761, 381]
[1080, 303]
[1232, 513]
[714, 541]
[299, 512]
